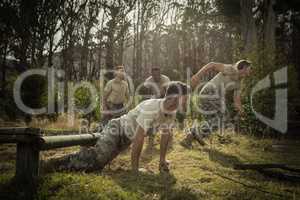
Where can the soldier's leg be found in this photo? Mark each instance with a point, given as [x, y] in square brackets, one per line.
[197, 132]
[187, 141]
[114, 111]
[180, 116]
[171, 141]
[200, 130]
[120, 110]
[111, 143]
[106, 149]
[151, 138]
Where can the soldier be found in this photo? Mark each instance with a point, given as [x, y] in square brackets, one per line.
[212, 96]
[116, 94]
[156, 85]
[132, 127]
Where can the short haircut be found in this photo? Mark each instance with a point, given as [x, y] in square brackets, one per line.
[176, 88]
[242, 64]
[119, 67]
[155, 67]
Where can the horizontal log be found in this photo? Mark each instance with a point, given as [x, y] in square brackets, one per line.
[52, 142]
[59, 132]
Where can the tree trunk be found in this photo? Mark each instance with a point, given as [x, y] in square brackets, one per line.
[248, 27]
[85, 49]
[3, 85]
[50, 53]
[269, 25]
[110, 46]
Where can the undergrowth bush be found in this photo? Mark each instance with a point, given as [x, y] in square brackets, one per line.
[265, 63]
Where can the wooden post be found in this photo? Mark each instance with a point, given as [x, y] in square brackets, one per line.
[27, 169]
[29, 143]
[27, 159]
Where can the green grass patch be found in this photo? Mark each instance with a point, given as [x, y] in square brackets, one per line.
[203, 172]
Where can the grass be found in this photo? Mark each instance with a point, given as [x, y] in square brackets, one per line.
[204, 172]
[63, 122]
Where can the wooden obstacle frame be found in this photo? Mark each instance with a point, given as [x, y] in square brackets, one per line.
[30, 142]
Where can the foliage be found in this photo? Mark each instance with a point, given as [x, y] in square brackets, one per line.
[32, 95]
[264, 63]
[83, 37]
[83, 99]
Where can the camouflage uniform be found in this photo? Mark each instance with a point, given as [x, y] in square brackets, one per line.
[212, 103]
[115, 111]
[112, 141]
[213, 111]
[214, 107]
[116, 137]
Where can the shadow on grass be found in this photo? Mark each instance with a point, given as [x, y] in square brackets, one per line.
[10, 189]
[152, 151]
[223, 159]
[153, 184]
[149, 153]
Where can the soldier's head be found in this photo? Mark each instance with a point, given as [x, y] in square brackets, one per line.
[155, 72]
[244, 68]
[119, 71]
[175, 91]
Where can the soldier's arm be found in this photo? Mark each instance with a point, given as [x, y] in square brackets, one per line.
[106, 93]
[238, 103]
[212, 66]
[137, 147]
[164, 142]
[127, 95]
[165, 85]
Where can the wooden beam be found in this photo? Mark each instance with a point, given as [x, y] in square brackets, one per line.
[52, 142]
[29, 143]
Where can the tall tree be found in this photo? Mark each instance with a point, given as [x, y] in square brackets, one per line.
[116, 27]
[248, 26]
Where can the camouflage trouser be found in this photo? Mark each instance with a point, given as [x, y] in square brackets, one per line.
[151, 136]
[112, 141]
[212, 113]
[212, 119]
[115, 111]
